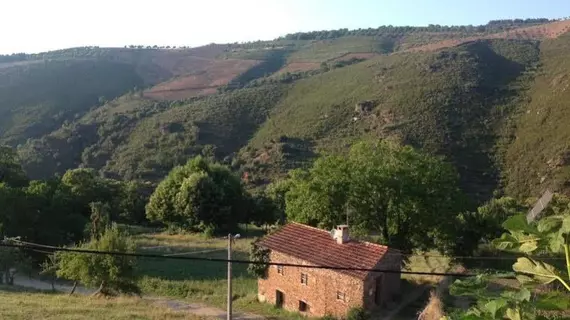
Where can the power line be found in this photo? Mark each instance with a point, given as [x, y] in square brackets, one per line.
[386, 253]
[156, 256]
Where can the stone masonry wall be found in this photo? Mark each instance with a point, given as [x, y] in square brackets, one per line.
[320, 294]
[392, 260]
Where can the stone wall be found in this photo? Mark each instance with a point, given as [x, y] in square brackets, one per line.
[392, 260]
[320, 293]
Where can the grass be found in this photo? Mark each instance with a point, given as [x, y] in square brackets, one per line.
[201, 281]
[324, 50]
[428, 262]
[20, 304]
[536, 155]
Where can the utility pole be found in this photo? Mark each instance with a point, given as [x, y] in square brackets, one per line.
[229, 276]
[230, 295]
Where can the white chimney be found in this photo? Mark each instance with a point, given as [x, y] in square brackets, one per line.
[341, 234]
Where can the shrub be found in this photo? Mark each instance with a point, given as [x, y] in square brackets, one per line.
[357, 314]
[113, 274]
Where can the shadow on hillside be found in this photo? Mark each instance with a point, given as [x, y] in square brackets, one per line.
[470, 118]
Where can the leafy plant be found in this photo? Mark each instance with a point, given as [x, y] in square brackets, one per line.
[549, 235]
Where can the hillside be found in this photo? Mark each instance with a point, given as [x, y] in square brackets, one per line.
[479, 96]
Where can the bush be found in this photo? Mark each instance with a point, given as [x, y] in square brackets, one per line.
[258, 254]
[113, 274]
[357, 314]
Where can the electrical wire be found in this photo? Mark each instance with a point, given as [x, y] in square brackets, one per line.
[237, 261]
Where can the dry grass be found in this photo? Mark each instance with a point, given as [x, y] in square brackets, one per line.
[430, 262]
[299, 67]
[545, 31]
[17, 303]
[434, 308]
[203, 82]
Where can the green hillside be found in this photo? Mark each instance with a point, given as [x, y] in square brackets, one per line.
[448, 102]
[37, 98]
[493, 108]
[538, 149]
[136, 138]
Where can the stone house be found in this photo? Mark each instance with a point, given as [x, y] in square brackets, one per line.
[319, 292]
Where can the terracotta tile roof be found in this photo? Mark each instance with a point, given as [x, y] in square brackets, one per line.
[317, 247]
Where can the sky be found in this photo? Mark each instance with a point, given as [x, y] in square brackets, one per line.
[41, 25]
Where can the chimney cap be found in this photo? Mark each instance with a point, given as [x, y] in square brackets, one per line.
[342, 226]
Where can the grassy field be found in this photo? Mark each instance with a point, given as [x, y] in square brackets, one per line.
[19, 304]
[201, 281]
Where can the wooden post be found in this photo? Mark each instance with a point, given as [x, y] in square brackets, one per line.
[230, 298]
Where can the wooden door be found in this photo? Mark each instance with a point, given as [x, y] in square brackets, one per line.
[378, 293]
[279, 298]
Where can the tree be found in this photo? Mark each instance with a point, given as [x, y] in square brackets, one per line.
[50, 205]
[11, 172]
[199, 195]
[113, 274]
[12, 260]
[277, 192]
[260, 255]
[485, 224]
[133, 198]
[100, 219]
[262, 210]
[410, 198]
[49, 268]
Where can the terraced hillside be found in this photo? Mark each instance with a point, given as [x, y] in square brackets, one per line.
[491, 100]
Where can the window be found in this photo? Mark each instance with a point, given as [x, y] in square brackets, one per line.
[303, 306]
[304, 279]
[340, 296]
[280, 270]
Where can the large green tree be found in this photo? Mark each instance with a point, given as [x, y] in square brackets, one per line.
[410, 199]
[11, 172]
[199, 195]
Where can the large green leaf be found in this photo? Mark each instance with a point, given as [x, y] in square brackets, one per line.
[493, 306]
[526, 280]
[521, 295]
[549, 223]
[505, 242]
[541, 271]
[528, 247]
[519, 223]
[517, 240]
[554, 300]
[475, 286]
[555, 241]
[513, 314]
[565, 225]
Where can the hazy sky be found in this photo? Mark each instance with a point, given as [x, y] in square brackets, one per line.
[40, 25]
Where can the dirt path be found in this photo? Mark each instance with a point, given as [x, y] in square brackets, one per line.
[198, 309]
[409, 299]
